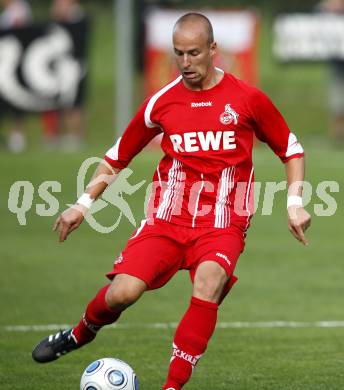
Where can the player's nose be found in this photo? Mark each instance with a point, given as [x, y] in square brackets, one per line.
[186, 61]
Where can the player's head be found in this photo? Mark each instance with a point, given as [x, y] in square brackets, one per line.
[194, 47]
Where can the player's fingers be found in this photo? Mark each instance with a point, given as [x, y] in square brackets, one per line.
[63, 235]
[294, 233]
[56, 224]
[297, 232]
[64, 231]
[307, 224]
[300, 234]
[73, 227]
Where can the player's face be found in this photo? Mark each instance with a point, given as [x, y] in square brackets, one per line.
[194, 55]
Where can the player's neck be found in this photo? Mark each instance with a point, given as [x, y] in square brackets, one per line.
[213, 78]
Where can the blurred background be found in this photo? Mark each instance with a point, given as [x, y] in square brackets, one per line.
[79, 85]
[71, 75]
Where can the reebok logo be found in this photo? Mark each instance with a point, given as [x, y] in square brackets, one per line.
[201, 104]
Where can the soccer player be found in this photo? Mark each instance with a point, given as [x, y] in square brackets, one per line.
[201, 201]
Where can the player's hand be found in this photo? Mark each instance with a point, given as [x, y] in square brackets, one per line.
[69, 220]
[299, 220]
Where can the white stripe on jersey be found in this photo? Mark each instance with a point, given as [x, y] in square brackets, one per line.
[177, 193]
[248, 190]
[138, 231]
[172, 192]
[231, 186]
[197, 201]
[159, 177]
[222, 211]
[293, 146]
[219, 206]
[153, 100]
[113, 151]
[167, 193]
[153, 192]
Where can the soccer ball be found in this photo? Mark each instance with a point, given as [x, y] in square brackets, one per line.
[109, 374]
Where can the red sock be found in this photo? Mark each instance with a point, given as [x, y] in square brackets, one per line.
[96, 316]
[190, 341]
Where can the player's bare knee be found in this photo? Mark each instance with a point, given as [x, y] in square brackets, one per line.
[123, 292]
[121, 298]
[208, 290]
[209, 282]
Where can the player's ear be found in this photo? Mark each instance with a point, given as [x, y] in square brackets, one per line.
[213, 47]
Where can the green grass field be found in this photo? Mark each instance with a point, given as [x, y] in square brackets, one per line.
[43, 282]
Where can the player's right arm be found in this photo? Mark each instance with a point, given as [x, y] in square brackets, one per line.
[72, 218]
[134, 139]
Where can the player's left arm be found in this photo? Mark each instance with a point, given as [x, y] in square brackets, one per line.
[299, 219]
[272, 129]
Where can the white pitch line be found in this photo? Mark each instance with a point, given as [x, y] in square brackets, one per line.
[173, 325]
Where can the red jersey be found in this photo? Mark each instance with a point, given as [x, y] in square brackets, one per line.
[205, 178]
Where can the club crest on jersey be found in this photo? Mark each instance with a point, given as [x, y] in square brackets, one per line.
[229, 116]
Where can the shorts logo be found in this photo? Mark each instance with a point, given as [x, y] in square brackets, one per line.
[229, 116]
[119, 259]
[224, 257]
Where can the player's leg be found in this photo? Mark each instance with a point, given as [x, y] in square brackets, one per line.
[107, 306]
[211, 261]
[210, 280]
[198, 324]
[149, 260]
[104, 309]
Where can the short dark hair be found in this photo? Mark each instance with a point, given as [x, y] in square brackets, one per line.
[197, 16]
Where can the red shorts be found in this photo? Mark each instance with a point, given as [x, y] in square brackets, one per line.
[155, 252]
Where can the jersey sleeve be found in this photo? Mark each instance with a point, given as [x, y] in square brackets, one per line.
[270, 127]
[136, 136]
